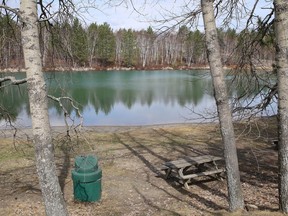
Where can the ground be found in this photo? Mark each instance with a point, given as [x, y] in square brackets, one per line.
[132, 183]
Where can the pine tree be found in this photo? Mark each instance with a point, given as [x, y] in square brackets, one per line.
[105, 45]
[129, 48]
[79, 43]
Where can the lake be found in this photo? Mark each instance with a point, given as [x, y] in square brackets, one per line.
[122, 97]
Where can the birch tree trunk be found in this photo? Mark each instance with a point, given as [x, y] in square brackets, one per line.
[46, 169]
[281, 32]
[225, 117]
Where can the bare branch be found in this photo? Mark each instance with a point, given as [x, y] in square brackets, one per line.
[13, 81]
[66, 8]
[251, 108]
[7, 8]
[4, 113]
[231, 10]
[66, 113]
[252, 13]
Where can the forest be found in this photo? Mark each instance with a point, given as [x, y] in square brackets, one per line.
[71, 44]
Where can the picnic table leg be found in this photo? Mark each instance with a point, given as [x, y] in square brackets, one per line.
[185, 181]
[215, 164]
[167, 173]
[180, 173]
[186, 184]
[218, 175]
[221, 177]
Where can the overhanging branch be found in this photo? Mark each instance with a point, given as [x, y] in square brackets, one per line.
[7, 8]
[67, 115]
[11, 81]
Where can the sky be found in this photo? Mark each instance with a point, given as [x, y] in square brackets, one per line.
[141, 15]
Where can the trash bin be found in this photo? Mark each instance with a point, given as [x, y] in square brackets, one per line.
[87, 179]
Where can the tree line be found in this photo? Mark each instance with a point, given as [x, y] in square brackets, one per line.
[70, 44]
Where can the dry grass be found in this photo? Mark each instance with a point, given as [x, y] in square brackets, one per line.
[132, 184]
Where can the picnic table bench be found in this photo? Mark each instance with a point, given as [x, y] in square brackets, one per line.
[188, 168]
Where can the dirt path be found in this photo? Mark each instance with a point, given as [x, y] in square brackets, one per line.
[132, 184]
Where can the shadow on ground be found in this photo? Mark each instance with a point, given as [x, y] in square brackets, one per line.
[132, 180]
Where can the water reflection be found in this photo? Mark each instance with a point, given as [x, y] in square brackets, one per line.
[121, 97]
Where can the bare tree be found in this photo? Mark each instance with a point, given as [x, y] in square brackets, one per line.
[38, 100]
[45, 162]
[281, 27]
[236, 201]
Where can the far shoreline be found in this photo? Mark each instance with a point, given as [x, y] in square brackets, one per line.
[96, 69]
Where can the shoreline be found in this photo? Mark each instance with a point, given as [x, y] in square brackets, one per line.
[89, 69]
[94, 69]
[156, 125]
[19, 132]
[101, 127]
[123, 128]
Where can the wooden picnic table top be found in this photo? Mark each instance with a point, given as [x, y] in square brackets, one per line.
[190, 161]
[179, 166]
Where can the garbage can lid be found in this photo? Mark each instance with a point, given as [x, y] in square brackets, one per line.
[86, 164]
[86, 177]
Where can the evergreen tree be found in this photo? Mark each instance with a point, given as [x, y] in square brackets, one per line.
[79, 43]
[199, 53]
[129, 48]
[105, 45]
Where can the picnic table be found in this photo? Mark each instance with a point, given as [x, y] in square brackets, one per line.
[188, 168]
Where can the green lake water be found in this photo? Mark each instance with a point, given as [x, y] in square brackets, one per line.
[122, 97]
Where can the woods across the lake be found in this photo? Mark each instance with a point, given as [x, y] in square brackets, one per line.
[71, 44]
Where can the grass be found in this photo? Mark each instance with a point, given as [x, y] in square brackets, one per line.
[121, 149]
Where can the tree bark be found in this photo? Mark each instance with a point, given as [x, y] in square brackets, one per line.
[46, 169]
[281, 27]
[224, 112]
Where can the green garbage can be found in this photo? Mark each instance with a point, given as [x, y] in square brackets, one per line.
[87, 179]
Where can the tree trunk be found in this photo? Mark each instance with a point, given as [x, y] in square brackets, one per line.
[225, 117]
[46, 169]
[281, 27]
